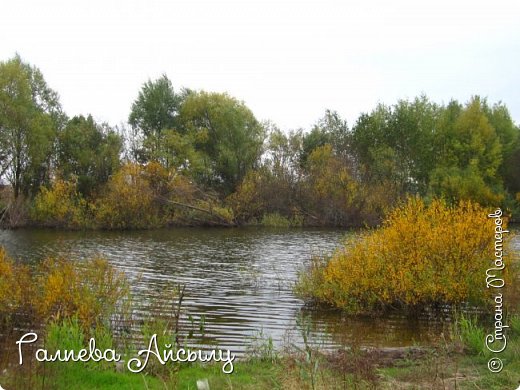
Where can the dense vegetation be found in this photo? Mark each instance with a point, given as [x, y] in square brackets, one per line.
[193, 157]
[57, 288]
[422, 256]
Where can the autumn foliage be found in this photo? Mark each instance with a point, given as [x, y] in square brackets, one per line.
[60, 205]
[128, 200]
[13, 284]
[423, 255]
[57, 288]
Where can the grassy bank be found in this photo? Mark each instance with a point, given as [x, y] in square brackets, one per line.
[454, 364]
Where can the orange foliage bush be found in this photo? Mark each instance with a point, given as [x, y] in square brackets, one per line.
[422, 255]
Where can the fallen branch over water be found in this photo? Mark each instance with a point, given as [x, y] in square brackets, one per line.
[223, 221]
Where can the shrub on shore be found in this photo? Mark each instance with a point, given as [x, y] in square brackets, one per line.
[422, 255]
[135, 197]
[60, 206]
[13, 285]
[58, 288]
[128, 200]
[275, 220]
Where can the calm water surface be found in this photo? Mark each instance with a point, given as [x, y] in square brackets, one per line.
[240, 279]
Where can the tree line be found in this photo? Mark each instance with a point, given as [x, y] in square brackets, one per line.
[201, 158]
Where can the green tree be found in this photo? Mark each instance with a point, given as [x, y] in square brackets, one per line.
[330, 129]
[413, 125]
[376, 157]
[155, 110]
[283, 165]
[511, 171]
[89, 152]
[178, 151]
[400, 137]
[283, 157]
[470, 155]
[228, 134]
[509, 136]
[30, 115]
[455, 183]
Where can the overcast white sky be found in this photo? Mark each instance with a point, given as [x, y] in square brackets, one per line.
[288, 60]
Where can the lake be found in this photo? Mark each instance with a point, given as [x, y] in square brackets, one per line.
[240, 279]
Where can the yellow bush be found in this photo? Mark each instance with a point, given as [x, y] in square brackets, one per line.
[128, 201]
[14, 285]
[248, 201]
[87, 290]
[422, 255]
[58, 288]
[61, 205]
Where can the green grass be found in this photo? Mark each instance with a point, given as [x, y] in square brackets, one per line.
[253, 374]
[472, 335]
[77, 376]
